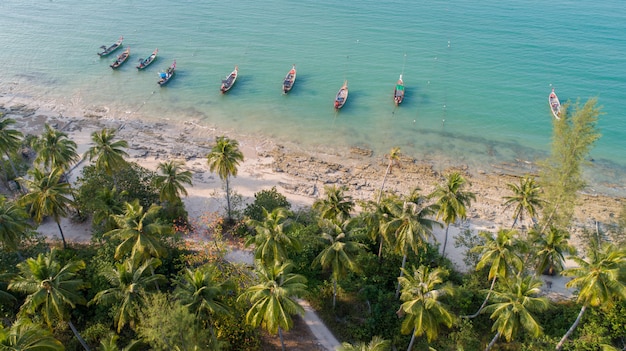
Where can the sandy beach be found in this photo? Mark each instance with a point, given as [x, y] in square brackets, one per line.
[297, 173]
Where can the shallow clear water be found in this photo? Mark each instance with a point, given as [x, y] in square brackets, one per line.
[477, 75]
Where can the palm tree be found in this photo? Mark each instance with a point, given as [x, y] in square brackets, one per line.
[340, 252]
[170, 183]
[514, 308]
[410, 226]
[52, 290]
[375, 218]
[139, 231]
[129, 283]
[201, 292]
[223, 160]
[273, 299]
[526, 198]
[394, 159]
[422, 290]
[27, 336]
[110, 344]
[106, 205]
[55, 150]
[549, 248]
[376, 344]
[108, 154]
[498, 252]
[271, 242]
[13, 224]
[336, 205]
[10, 140]
[452, 202]
[47, 197]
[598, 279]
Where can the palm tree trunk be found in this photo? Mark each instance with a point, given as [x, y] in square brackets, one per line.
[412, 341]
[380, 248]
[62, 236]
[77, 334]
[380, 195]
[280, 335]
[493, 283]
[401, 275]
[493, 341]
[516, 218]
[228, 200]
[15, 175]
[572, 328]
[445, 242]
[334, 292]
[156, 283]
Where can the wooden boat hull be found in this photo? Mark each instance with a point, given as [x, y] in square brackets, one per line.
[555, 104]
[123, 57]
[290, 79]
[148, 60]
[342, 96]
[166, 76]
[230, 80]
[398, 93]
[107, 50]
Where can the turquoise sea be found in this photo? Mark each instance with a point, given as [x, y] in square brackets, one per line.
[477, 73]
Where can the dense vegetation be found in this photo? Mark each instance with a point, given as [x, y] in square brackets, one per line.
[377, 276]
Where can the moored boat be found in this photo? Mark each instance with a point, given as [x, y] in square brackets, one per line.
[398, 93]
[143, 63]
[290, 78]
[230, 80]
[121, 59]
[107, 50]
[167, 75]
[342, 96]
[555, 104]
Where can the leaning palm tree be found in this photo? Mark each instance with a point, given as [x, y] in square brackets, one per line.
[27, 336]
[140, 232]
[514, 307]
[10, 140]
[335, 205]
[13, 224]
[339, 253]
[452, 202]
[108, 154]
[526, 199]
[422, 290]
[271, 242]
[224, 159]
[52, 290]
[130, 281]
[171, 181]
[410, 225]
[394, 159]
[273, 298]
[599, 280]
[499, 254]
[55, 150]
[550, 248]
[376, 344]
[48, 196]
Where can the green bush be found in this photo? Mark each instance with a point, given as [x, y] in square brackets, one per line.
[268, 199]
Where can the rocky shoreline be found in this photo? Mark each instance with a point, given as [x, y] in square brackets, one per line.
[302, 172]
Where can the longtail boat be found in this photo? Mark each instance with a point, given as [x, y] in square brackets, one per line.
[143, 63]
[342, 96]
[107, 50]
